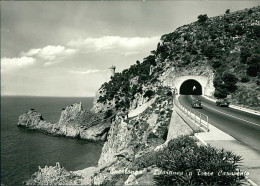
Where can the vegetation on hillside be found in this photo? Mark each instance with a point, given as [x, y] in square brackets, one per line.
[120, 84]
[229, 44]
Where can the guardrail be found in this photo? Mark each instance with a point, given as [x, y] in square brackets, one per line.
[197, 117]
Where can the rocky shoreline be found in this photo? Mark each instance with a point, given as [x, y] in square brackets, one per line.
[73, 123]
[128, 139]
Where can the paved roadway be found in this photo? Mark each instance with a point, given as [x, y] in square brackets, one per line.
[243, 126]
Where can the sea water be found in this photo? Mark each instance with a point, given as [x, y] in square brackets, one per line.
[23, 150]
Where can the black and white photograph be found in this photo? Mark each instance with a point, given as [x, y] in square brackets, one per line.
[130, 92]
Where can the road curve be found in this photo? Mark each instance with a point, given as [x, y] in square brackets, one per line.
[243, 126]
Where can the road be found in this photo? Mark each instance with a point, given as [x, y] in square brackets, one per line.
[243, 126]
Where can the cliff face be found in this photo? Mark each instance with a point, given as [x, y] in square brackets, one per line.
[102, 106]
[129, 138]
[72, 123]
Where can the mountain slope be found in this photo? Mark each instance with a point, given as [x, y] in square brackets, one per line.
[226, 45]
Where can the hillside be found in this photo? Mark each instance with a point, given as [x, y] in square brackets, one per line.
[226, 45]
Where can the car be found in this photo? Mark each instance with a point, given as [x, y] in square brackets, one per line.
[196, 103]
[222, 102]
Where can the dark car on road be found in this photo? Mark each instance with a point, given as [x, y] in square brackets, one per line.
[222, 103]
[196, 103]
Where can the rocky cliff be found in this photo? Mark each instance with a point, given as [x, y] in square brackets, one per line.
[128, 139]
[74, 122]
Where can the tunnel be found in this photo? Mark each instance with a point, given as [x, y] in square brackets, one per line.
[191, 87]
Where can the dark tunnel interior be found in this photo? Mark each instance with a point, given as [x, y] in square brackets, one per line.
[191, 87]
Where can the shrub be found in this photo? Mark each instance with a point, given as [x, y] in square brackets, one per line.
[253, 69]
[221, 93]
[210, 51]
[250, 11]
[216, 63]
[238, 30]
[224, 84]
[169, 93]
[244, 54]
[202, 18]
[227, 11]
[162, 112]
[245, 79]
[256, 30]
[220, 88]
[230, 81]
[254, 65]
[108, 113]
[146, 160]
[117, 106]
[149, 93]
[183, 155]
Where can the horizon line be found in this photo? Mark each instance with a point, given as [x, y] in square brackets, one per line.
[47, 96]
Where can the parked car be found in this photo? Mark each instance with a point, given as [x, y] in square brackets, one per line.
[196, 103]
[222, 103]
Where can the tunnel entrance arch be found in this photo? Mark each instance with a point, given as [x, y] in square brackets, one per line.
[206, 83]
[190, 87]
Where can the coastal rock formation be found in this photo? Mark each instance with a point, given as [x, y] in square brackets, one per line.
[53, 175]
[34, 120]
[71, 113]
[129, 138]
[73, 122]
[100, 106]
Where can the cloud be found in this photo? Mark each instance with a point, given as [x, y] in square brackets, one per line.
[50, 54]
[86, 72]
[8, 64]
[113, 42]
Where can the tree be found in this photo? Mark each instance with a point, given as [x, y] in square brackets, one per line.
[253, 65]
[225, 84]
[215, 63]
[244, 54]
[239, 30]
[256, 30]
[210, 51]
[108, 113]
[230, 81]
[227, 11]
[250, 11]
[153, 52]
[149, 94]
[202, 18]
[221, 93]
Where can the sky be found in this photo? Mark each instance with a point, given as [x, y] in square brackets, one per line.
[64, 48]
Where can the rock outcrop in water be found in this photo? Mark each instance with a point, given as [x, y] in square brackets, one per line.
[34, 120]
[74, 122]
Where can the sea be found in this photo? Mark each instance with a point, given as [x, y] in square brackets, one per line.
[23, 150]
